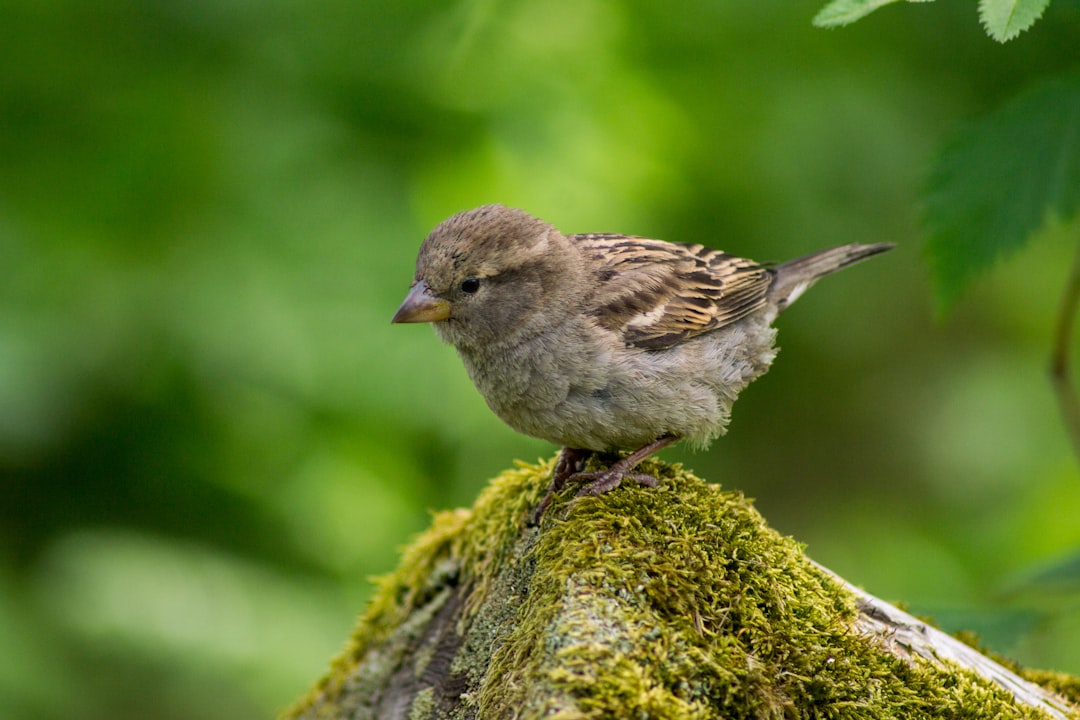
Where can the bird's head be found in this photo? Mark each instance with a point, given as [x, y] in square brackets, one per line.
[486, 275]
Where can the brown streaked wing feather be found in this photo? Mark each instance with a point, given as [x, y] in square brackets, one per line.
[658, 293]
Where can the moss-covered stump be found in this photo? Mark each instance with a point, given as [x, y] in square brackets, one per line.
[670, 602]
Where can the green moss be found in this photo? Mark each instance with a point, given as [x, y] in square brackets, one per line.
[670, 602]
[1067, 686]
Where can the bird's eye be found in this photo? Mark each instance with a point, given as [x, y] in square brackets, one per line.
[470, 285]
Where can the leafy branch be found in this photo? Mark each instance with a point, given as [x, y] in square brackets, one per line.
[997, 184]
[1060, 360]
[992, 189]
[1003, 19]
[1001, 179]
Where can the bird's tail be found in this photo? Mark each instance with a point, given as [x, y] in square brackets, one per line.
[791, 279]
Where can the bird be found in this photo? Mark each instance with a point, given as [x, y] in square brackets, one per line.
[601, 342]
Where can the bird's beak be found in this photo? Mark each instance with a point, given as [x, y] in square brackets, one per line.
[421, 306]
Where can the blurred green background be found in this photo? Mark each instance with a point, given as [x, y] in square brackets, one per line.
[211, 436]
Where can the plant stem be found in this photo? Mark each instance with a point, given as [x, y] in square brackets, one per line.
[1060, 360]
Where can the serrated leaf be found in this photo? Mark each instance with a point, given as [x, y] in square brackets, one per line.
[998, 181]
[1005, 19]
[845, 12]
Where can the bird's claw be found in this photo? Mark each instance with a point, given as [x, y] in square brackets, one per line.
[602, 481]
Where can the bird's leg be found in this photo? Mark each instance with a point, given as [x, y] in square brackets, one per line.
[606, 480]
[570, 462]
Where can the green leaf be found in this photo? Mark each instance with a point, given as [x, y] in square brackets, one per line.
[999, 180]
[1005, 19]
[845, 12]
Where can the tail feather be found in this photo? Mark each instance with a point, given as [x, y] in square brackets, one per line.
[792, 278]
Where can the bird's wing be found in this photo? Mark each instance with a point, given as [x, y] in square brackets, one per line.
[657, 293]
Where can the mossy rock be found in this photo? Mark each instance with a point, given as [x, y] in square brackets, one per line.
[670, 602]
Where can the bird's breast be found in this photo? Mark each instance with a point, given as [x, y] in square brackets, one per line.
[553, 385]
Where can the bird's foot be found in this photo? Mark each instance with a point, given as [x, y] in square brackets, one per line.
[572, 460]
[602, 481]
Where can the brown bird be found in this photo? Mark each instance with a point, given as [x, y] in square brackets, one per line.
[604, 342]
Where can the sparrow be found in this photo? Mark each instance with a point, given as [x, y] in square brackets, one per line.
[602, 342]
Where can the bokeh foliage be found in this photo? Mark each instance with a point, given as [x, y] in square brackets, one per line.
[210, 435]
